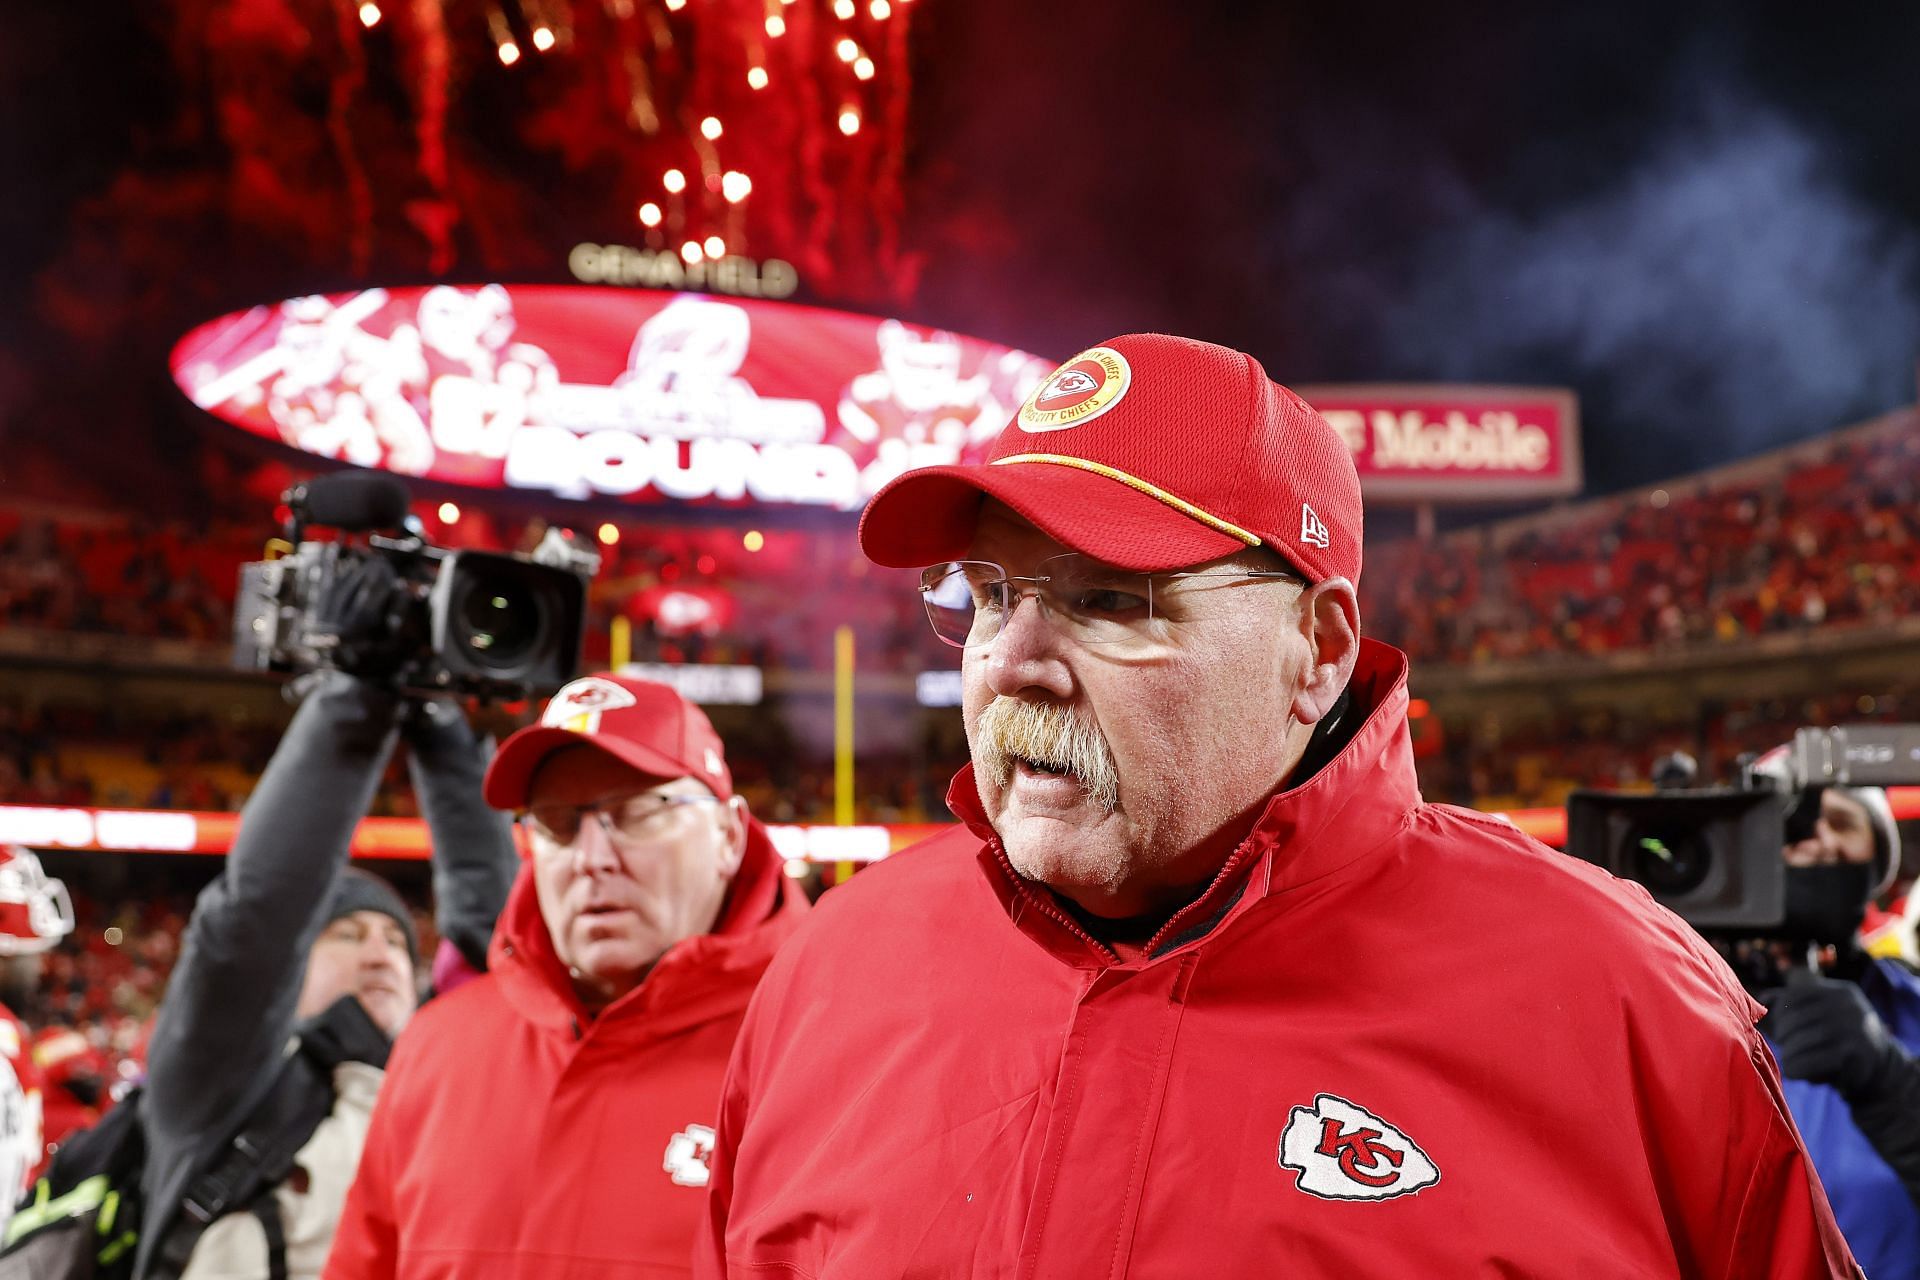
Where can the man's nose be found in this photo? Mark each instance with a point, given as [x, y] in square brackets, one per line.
[593, 848]
[377, 951]
[1027, 654]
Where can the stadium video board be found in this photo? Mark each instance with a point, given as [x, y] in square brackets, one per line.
[646, 395]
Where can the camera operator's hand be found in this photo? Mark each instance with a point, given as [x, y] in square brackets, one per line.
[354, 613]
[1828, 1033]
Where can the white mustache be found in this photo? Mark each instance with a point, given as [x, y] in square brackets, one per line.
[1049, 734]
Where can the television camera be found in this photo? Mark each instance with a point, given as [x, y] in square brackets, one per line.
[380, 602]
[1712, 855]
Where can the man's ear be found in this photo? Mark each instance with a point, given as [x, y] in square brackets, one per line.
[735, 852]
[1330, 620]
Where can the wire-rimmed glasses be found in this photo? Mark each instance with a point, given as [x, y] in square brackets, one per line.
[627, 820]
[969, 601]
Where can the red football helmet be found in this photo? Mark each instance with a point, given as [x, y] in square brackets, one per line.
[35, 911]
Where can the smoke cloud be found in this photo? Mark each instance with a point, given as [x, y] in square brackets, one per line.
[1726, 295]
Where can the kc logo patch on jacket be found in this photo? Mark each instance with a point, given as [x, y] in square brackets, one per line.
[1342, 1151]
[688, 1153]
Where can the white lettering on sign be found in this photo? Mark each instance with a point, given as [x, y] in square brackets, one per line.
[1351, 424]
[660, 269]
[616, 462]
[1499, 441]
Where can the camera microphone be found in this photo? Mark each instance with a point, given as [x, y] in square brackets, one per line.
[354, 500]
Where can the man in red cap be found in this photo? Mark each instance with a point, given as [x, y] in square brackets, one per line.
[554, 1116]
[1200, 986]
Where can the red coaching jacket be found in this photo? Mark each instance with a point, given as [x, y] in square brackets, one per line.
[1393, 1039]
[515, 1137]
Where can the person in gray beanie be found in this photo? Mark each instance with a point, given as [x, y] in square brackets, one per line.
[296, 972]
[360, 891]
[367, 949]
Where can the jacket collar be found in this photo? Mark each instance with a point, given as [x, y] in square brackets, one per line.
[1360, 798]
[696, 981]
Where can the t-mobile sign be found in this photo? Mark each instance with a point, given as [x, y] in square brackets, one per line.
[1465, 443]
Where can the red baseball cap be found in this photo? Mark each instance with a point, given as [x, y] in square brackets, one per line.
[1148, 452]
[640, 722]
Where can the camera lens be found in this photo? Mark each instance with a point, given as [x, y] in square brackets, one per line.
[500, 622]
[1670, 859]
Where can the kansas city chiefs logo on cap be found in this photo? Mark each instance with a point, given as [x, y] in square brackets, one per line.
[1067, 385]
[1081, 389]
[579, 706]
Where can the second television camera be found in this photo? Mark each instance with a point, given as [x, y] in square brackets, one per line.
[426, 619]
[1713, 855]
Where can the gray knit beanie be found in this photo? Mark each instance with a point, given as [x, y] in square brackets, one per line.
[358, 890]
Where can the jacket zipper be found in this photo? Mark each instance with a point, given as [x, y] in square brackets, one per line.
[1047, 908]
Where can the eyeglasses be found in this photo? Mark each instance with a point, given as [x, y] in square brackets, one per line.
[969, 601]
[627, 820]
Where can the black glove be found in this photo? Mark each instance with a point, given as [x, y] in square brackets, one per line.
[353, 616]
[1828, 1033]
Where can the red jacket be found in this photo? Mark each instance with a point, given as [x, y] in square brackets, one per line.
[1392, 1039]
[517, 1137]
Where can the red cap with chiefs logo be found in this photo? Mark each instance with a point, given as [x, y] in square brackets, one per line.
[644, 724]
[1148, 452]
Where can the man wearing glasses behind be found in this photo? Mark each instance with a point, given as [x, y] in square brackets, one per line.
[1201, 987]
[554, 1117]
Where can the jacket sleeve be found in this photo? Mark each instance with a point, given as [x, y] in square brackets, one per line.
[1783, 1228]
[229, 1007]
[730, 1122]
[366, 1242]
[474, 858]
[710, 1237]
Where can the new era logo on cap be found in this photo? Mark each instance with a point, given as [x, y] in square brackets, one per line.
[1311, 530]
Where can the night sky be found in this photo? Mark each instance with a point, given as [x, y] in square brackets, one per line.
[1705, 219]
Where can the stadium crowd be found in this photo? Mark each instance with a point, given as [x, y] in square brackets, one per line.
[1790, 544]
[1786, 543]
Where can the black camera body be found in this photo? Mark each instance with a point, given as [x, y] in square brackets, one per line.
[425, 620]
[1712, 855]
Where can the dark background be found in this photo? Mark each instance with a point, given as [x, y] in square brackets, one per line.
[1704, 218]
